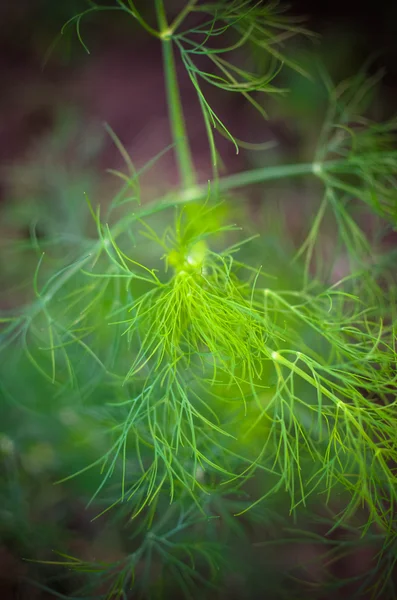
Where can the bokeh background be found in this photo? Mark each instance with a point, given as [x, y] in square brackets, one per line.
[54, 99]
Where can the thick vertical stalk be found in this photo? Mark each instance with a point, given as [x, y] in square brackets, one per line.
[175, 111]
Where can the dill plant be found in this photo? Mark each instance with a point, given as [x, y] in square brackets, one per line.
[218, 395]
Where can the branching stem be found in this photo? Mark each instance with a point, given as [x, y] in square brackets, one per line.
[175, 110]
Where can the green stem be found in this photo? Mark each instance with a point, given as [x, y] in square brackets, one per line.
[175, 111]
[190, 194]
[239, 180]
[182, 15]
[132, 10]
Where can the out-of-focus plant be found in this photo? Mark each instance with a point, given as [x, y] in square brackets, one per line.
[202, 385]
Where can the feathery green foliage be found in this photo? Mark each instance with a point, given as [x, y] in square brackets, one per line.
[205, 388]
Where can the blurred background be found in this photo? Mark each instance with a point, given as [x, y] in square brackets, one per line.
[54, 99]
